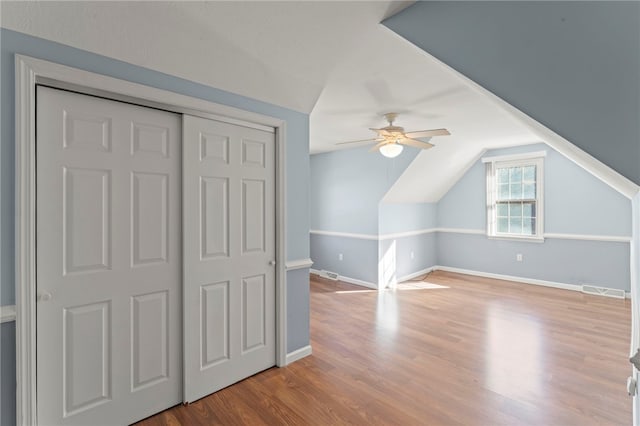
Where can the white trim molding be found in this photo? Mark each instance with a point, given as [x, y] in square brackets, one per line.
[606, 238]
[384, 237]
[7, 313]
[298, 354]
[25, 267]
[349, 280]
[574, 287]
[28, 73]
[560, 236]
[462, 231]
[523, 280]
[345, 234]
[292, 265]
[493, 165]
[356, 281]
[515, 157]
[391, 236]
[416, 274]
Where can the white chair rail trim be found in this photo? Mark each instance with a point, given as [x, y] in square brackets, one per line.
[383, 237]
[292, 265]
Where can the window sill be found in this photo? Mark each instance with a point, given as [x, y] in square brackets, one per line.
[516, 238]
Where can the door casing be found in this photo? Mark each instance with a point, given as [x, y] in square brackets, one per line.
[31, 72]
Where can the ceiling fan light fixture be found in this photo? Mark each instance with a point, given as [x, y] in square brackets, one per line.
[391, 150]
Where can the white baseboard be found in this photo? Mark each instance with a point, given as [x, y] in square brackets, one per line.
[7, 313]
[533, 281]
[349, 280]
[523, 280]
[358, 282]
[298, 354]
[416, 274]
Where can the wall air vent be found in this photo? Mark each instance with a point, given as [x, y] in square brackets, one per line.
[603, 291]
[328, 274]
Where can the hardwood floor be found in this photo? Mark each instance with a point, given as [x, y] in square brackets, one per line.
[451, 350]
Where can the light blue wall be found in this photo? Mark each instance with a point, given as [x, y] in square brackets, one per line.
[578, 203]
[346, 189]
[411, 253]
[572, 66]
[347, 185]
[297, 166]
[359, 256]
[604, 264]
[463, 206]
[422, 246]
[575, 202]
[297, 309]
[404, 217]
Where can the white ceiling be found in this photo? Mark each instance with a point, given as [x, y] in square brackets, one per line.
[278, 52]
[385, 73]
[331, 59]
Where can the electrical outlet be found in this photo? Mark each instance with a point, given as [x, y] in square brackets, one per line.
[340, 256]
[413, 256]
[519, 257]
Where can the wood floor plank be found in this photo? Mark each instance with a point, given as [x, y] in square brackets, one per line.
[462, 351]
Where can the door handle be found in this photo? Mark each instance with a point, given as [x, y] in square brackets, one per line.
[44, 296]
[635, 360]
[272, 262]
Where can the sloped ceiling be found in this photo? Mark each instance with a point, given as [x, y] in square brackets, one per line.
[573, 66]
[388, 74]
[278, 52]
[333, 60]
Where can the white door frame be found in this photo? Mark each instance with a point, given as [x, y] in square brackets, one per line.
[29, 73]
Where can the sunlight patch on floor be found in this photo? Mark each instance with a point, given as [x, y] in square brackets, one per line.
[409, 285]
[420, 285]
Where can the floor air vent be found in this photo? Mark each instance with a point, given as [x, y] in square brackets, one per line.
[603, 291]
[329, 274]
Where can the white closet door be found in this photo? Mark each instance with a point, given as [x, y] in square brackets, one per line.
[109, 315]
[229, 254]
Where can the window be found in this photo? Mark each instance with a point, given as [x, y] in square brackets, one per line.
[514, 196]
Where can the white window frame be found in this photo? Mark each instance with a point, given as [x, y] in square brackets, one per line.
[520, 160]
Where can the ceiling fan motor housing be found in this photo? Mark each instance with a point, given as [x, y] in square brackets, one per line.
[394, 129]
[391, 117]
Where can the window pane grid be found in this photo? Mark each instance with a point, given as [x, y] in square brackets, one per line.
[516, 217]
[516, 183]
[514, 204]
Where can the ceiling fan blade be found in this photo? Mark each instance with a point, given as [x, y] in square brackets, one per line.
[360, 141]
[428, 133]
[416, 144]
[378, 145]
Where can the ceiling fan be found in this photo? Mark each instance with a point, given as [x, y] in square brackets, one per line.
[390, 139]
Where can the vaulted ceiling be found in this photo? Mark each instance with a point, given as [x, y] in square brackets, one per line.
[573, 66]
[279, 52]
[333, 60]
